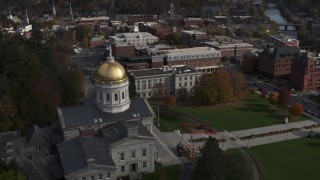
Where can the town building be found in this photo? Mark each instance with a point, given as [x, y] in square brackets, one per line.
[229, 47]
[193, 38]
[305, 74]
[109, 138]
[276, 63]
[134, 39]
[176, 81]
[193, 22]
[280, 40]
[123, 44]
[203, 59]
[97, 41]
[92, 20]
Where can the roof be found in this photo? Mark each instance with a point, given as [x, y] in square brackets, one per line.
[36, 137]
[119, 131]
[35, 169]
[286, 50]
[162, 71]
[84, 115]
[75, 153]
[211, 52]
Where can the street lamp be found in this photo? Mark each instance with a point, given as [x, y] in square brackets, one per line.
[158, 116]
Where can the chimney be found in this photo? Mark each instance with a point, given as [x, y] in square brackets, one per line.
[91, 161]
[132, 131]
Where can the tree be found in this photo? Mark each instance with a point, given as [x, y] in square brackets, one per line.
[296, 109]
[174, 38]
[249, 64]
[253, 91]
[83, 31]
[273, 98]
[211, 163]
[171, 100]
[239, 85]
[284, 97]
[213, 88]
[10, 171]
[159, 90]
[85, 42]
[132, 87]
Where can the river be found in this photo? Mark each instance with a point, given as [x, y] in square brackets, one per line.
[274, 14]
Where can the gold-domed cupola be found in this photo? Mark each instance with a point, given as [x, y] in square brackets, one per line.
[112, 86]
[111, 71]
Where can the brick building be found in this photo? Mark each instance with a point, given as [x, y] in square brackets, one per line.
[203, 59]
[193, 22]
[140, 18]
[122, 50]
[230, 48]
[193, 38]
[282, 40]
[305, 74]
[276, 63]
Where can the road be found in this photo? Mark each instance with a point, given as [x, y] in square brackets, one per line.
[310, 107]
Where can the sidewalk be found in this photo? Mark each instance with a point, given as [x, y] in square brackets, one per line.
[232, 139]
[165, 156]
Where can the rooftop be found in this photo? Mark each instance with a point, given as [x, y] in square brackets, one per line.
[79, 152]
[283, 38]
[162, 71]
[88, 115]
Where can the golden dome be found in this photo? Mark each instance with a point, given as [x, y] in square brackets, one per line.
[111, 71]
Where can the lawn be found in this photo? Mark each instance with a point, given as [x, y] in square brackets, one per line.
[169, 123]
[164, 172]
[249, 113]
[295, 159]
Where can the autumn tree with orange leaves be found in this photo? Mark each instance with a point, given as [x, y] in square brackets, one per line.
[296, 109]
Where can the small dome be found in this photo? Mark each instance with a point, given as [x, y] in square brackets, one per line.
[111, 71]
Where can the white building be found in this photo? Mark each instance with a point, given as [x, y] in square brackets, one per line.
[110, 138]
[176, 81]
[135, 39]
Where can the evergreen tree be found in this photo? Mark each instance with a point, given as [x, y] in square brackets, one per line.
[211, 163]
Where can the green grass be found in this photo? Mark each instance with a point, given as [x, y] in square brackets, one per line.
[237, 166]
[295, 159]
[250, 113]
[164, 172]
[169, 123]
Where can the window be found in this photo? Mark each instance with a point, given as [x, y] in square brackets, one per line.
[122, 168]
[92, 178]
[185, 78]
[108, 97]
[100, 96]
[121, 156]
[133, 154]
[185, 84]
[179, 78]
[144, 164]
[100, 176]
[116, 97]
[122, 95]
[190, 83]
[108, 176]
[190, 77]
[144, 152]
[84, 178]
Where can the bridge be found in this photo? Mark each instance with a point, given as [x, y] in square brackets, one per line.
[296, 26]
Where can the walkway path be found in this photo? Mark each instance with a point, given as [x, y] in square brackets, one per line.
[165, 156]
